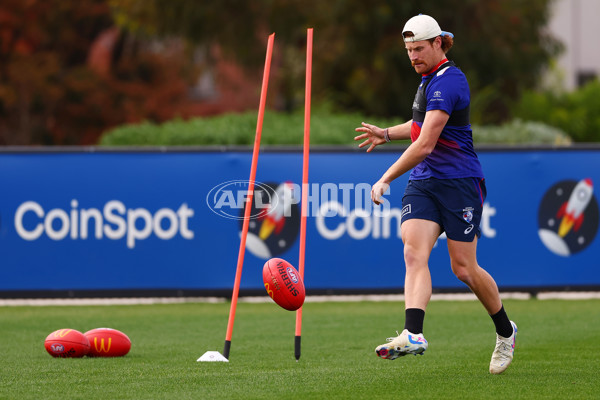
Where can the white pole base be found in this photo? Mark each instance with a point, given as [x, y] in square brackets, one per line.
[212, 356]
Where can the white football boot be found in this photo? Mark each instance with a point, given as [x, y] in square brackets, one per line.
[504, 351]
[401, 345]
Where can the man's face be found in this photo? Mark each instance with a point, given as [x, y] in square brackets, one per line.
[423, 55]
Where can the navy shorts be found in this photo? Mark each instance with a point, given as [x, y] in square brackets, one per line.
[454, 204]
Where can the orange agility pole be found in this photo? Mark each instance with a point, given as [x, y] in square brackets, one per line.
[240, 263]
[303, 212]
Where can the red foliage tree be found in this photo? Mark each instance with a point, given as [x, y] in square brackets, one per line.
[67, 74]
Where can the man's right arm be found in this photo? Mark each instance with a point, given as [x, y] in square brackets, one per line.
[374, 136]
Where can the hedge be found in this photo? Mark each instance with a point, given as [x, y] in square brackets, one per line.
[327, 128]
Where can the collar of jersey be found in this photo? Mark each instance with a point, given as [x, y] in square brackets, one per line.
[434, 70]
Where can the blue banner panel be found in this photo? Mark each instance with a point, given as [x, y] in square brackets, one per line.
[172, 220]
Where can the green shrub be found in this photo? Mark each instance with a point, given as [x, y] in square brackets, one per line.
[520, 132]
[327, 128]
[239, 129]
[577, 112]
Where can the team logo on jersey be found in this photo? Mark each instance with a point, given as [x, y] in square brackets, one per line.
[437, 93]
[568, 217]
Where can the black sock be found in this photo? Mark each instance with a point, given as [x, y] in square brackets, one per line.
[414, 318]
[503, 326]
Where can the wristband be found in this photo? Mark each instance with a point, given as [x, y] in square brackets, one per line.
[386, 135]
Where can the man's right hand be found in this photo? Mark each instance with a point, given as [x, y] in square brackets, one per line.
[372, 135]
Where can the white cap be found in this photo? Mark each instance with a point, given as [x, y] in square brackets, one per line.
[423, 27]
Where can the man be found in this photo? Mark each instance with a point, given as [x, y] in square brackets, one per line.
[445, 192]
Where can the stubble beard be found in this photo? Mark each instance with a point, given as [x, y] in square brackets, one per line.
[418, 64]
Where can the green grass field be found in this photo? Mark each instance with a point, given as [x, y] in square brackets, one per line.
[556, 356]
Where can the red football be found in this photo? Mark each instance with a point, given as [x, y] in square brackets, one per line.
[283, 284]
[107, 342]
[67, 343]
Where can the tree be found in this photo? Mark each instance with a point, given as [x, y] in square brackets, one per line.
[499, 44]
[359, 57]
[57, 88]
[70, 70]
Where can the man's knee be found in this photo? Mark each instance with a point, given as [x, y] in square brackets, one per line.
[463, 260]
[462, 272]
[415, 257]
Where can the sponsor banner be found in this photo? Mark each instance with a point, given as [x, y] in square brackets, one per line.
[172, 220]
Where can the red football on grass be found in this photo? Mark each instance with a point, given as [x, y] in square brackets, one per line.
[107, 342]
[283, 284]
[67, 343]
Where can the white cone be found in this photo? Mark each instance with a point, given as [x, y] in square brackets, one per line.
[212, 356]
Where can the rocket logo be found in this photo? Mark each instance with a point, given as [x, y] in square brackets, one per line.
[568, 217]
[571, 212]
[274, 229]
